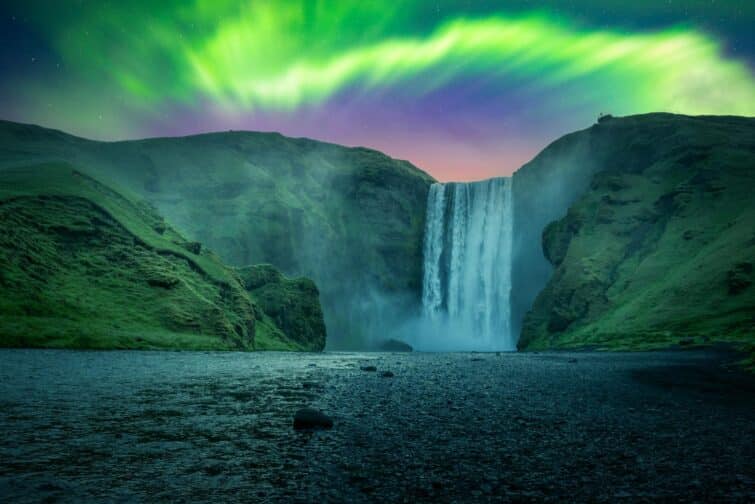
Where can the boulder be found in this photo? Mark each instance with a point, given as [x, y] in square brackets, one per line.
[309, 418]
[394, 345]
[193, 247]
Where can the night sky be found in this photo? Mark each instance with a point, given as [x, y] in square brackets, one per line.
[463, 89]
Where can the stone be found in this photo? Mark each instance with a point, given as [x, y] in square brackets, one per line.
[368, 368]
[387, 374]
[739, 278]
[193, 247]
[394, 345]
[310, 418]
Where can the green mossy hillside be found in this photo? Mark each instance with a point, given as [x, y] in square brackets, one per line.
[660, 250]
[83, 266]
[352, 219]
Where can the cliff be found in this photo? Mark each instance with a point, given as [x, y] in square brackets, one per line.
[351, 219]
[84, 266]
[658, 244]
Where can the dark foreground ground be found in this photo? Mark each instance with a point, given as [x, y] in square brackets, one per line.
[154, 426]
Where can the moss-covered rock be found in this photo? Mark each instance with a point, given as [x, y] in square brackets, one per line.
[293, 304]
[658, 249]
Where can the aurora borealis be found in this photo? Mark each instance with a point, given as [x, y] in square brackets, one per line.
[465, 90]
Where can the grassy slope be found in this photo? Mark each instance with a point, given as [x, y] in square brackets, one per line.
[660, 250]
[86, 267]
[351, 219]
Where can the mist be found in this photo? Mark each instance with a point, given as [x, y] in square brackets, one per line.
[483, 261]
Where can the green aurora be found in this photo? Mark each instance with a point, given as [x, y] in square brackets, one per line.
[132, 69]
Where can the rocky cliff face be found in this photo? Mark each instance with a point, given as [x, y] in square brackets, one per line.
[658, 249]
[83, 266]
[350, 218]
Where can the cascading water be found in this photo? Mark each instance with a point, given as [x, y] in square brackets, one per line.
[466, 288]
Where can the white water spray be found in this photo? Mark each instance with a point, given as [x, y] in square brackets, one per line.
[466, 289]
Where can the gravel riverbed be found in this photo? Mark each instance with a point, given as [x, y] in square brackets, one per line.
[455, 427]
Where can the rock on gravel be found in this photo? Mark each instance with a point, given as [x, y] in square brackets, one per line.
[309, 418]
[394, 345]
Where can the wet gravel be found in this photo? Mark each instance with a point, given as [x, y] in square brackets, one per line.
[196, 426]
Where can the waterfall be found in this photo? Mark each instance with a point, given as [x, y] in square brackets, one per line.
[466, 287]
[432, 297]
